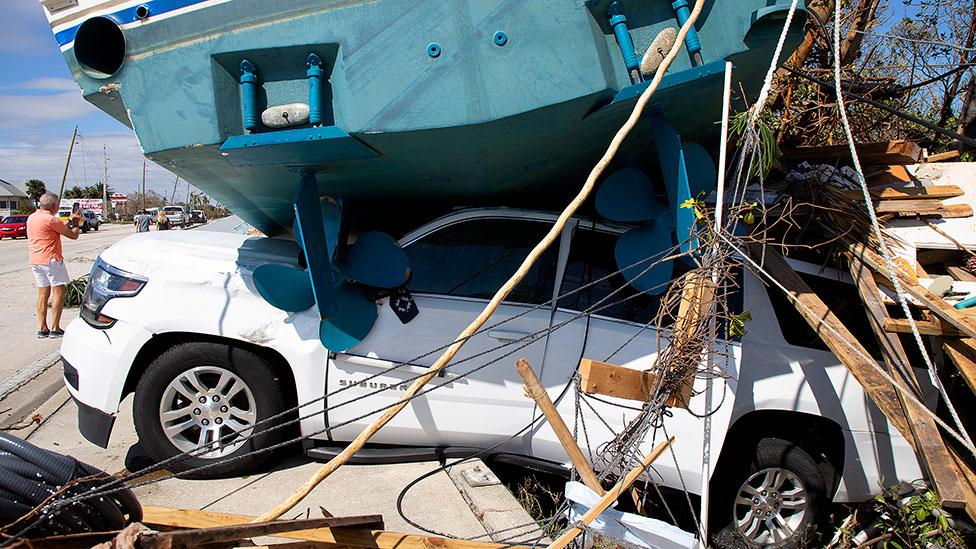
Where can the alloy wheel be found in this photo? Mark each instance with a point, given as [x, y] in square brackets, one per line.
[770, 507]
[207, 405]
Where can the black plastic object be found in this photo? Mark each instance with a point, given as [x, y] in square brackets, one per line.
[29, 476]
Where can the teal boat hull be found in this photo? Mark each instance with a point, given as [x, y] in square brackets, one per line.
[480, 122]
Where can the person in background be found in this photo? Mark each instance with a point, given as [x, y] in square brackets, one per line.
[162, 222]
[141, 221]
[44, 232]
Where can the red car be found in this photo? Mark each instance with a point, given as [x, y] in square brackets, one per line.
[13, 226]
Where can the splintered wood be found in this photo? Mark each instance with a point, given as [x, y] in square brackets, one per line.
[601, 378]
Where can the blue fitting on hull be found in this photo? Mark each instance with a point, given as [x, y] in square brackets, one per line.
[619, 23]
[692, 43]
[249, 95]
[314, 74]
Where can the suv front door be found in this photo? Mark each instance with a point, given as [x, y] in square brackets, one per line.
[457, 265]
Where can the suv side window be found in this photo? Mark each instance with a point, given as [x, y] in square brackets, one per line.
[591, 258]
[840, 297]
[474, 258]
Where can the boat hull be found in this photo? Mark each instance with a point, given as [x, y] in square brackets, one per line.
[479, 122]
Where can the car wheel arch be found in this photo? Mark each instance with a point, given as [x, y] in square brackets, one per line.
[160, 343]
[821, 437]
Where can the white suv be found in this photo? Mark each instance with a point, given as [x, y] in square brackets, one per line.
[177, 216]
[792, 421]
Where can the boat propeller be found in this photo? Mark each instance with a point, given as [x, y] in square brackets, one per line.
[335, 282]
[627, 196]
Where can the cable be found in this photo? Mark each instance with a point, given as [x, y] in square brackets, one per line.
[915, 40]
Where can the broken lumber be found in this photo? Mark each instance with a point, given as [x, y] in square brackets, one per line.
[535, 391]
[943, 156]
[908, 193]
[960, 273]
[926, 438]
[611, 496]
[601, 378]
[937, 305]
[885, 152]
[945, 211]
[933, 327]
[196, 537]
[696, 301]
[153, 515]
[962, 353]
[844, 345]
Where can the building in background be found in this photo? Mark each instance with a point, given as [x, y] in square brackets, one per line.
[12, 199]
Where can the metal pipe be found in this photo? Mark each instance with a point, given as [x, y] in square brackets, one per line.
[619, 23]
[249, 95]
[314, 74]
[682, 11]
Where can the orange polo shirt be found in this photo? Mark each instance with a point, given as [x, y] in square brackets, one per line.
[44, 237]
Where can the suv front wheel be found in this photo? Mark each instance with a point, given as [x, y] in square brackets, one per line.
[775, 496]
[202, 399]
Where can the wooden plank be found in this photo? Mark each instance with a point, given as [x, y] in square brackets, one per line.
[930, 256]
[908, 206]
[889, 175]
[968, 480]
[696, 301]
[937, 305]
[885, 152]
[926, 439]
[153, 515]
[535, 391]
[945, 211]
[943, 156]
[962, 353]
[600, 378]
[909, 193]
[960, 274]
[845, 346]
[195, 537]
[934, 327]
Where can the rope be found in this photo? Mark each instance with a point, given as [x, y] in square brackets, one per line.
[876, 228]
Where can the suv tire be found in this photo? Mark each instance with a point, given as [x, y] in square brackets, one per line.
[203, 392]
[778, 483]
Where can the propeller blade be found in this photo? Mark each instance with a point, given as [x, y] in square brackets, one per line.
[674, 168]
[642, 247]
[313, 241]
[627, 196]
[701, 169]
[356, 317]
[375, 259]
[331, 218]
[286, 288]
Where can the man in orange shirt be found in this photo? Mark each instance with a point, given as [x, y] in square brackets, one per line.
[44, 231]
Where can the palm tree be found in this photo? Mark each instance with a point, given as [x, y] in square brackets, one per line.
[35, 188]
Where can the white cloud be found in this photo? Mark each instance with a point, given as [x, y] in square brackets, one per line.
[25, 111]
[47, 83]
[44, 160]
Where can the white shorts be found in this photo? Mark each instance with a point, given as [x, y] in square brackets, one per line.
[52, 274]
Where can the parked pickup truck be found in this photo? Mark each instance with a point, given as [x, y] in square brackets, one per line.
[178, 217]
[794, 429]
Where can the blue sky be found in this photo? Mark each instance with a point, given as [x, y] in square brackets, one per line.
[39, 106]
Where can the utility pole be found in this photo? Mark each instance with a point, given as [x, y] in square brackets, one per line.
[143, 185]
[187, 203]
[64, 176]
[172, 199]
[105, 181]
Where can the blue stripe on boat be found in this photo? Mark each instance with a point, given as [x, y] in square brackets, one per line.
[128, 15]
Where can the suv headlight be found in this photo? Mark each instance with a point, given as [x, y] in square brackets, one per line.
[104, 283]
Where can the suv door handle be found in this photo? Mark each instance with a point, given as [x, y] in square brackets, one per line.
[505, 335]
[382, 364]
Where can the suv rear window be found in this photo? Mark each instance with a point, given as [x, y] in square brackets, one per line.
[474, 259]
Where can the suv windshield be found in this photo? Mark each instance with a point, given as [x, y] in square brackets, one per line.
[171, 209]
[14, 219]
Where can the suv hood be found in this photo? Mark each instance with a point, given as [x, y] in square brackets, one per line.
[197, 256]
